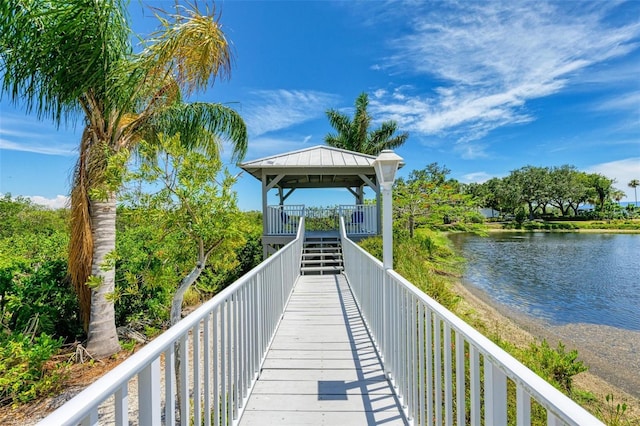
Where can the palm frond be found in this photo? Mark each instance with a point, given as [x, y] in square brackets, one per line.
[81, 240]
[354, 135]
[194, 50]
[51, 53]
[201, 125]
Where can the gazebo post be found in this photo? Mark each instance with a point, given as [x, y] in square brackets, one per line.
[265, 223]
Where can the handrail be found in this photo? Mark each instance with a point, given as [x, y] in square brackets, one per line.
[225, 340]
[434, 358]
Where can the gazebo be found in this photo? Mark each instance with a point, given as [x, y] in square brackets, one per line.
[312, 168]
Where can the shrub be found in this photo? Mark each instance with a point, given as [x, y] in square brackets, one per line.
[556, 365]
[22, 373]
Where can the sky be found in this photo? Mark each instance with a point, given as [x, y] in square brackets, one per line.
[482, 88]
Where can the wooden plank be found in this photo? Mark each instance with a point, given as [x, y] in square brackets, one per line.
[311, 418]
[328, 387]
[322, 354]
[323, 403]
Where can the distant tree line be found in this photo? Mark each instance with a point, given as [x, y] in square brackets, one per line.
[548, 191]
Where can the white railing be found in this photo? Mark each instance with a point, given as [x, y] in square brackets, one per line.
[283, 220]
[219, 349]
[360, 219]
[442, 369]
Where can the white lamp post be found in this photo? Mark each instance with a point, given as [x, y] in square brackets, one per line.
[386, 165]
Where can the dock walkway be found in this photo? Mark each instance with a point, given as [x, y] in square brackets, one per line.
[322, 368]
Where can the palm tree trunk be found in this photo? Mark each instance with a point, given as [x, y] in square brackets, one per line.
[102, 335]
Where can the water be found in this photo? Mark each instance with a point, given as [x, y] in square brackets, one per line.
[559, 277]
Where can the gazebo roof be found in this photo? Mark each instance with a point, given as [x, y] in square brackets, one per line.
[315, 167]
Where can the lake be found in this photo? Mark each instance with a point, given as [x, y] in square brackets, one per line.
[561, 278]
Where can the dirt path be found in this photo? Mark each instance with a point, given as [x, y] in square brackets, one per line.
[612, 354]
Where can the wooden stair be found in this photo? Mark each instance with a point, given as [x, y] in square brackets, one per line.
[321, 256]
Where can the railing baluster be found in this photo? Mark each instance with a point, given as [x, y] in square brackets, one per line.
[236, 354]
[170, 385]
[229, 356]
[448, 376]
[207, 369]
[495, 394]
[413, 363]
[474, 369]
[197, 407]
[422, 389]
[184, 385]
[460, 380]
[437, 367]
[217, 367]
[523, 406]
[122, 405]
[149, 394]
[430, 382]
[223, 364]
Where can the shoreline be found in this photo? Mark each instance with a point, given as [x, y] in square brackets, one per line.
[499, 228]
[612, 354]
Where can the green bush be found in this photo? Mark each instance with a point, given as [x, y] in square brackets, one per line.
[22, 373]
[41, 298]
[557, 366]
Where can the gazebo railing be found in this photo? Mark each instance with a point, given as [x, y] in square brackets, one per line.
[360, 219]
[283, 220]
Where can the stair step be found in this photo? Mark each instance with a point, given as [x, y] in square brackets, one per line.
[321, 256]
[322, 262]
[321, 250]
[321, 269]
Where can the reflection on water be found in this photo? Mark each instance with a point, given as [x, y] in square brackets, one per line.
[560, 277]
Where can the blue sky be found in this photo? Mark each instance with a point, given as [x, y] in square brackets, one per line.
[483, 88]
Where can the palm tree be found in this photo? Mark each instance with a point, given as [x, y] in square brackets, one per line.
[71, 59]
[617, 195]
[634, 183]
[354, 135]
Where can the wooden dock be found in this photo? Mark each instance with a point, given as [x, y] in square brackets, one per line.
[322, 368]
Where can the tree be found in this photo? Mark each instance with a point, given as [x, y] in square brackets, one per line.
[428, 197]
[602, 186]
[192, 209]
[74, 59]
[634, 183]
[354, 135]
[617, 195]
[533, 185]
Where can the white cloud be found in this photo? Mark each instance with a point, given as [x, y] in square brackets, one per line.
[628, 101]
[37, 137]
[272, 110]
[266, 146]
[623, 171]
[493, 58]
[476, 177]
[30, 146]
[58, 202]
